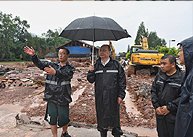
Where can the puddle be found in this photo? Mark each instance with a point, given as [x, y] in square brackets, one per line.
[76, 95]
[34, 105]
[141, 131]
[130, 107]
[11, 107]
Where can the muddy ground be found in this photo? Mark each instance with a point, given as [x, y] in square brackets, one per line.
[29, 95]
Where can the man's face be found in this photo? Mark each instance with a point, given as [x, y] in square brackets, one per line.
[62, 55]
[166, 66]
[181, 55]
[104, 52]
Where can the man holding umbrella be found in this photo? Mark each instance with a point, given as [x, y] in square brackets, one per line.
[110, 85]
[108, 75]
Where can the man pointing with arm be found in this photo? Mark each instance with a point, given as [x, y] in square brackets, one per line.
[57, 89]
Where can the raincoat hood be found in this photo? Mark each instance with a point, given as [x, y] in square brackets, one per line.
[184, 117]
[188, 53]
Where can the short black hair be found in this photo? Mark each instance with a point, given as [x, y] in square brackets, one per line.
[67, 50]
[109, 47]
[171, 58]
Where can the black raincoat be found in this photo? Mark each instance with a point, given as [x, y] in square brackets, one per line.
[58, 87]
[166, 92]
[184, 118]
[110, 83]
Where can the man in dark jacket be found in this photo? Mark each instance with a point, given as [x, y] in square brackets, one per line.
[166, 95]
[110, 84]
[184, 117]
[57, 89]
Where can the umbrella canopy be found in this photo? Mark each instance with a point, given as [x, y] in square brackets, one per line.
[94, 29]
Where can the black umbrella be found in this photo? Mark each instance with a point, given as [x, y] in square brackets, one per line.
[94, 29]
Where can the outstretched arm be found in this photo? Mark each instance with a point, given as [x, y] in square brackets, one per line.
[35, 59]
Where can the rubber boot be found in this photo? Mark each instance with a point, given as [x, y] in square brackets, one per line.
[117, 132]
[104, 133]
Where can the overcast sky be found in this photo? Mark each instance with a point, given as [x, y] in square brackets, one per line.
[170, 19]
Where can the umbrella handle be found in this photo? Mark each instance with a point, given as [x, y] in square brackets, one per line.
[93, 54]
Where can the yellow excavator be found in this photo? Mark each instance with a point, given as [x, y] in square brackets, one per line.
[142, 58]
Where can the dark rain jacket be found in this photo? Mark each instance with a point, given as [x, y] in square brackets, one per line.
[58, 87]
[110, 83]
[184, 118]
[166, 92]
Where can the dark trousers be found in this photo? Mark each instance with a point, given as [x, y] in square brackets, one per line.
[165, 128]
[116, 132]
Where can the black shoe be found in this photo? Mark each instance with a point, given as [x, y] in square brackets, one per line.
[104, 133]
[65, 134]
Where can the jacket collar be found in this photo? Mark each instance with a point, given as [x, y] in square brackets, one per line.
[108, 64]
[165, 77]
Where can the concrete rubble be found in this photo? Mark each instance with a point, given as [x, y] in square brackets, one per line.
[24, 85]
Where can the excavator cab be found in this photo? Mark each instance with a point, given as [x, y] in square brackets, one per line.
[135, 48]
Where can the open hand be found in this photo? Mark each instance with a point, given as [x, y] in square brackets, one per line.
[29, 51]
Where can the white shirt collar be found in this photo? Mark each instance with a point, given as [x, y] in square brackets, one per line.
[105, 62]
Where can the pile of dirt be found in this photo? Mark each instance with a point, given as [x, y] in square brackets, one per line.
[15, 95]
[83, 109]
[139, 87]
[23, 78]
[80, 64]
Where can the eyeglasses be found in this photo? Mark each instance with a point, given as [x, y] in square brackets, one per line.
[102, 50]
[62, 54]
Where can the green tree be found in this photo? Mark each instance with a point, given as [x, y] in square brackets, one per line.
[53, 50]
[53, 39]
[163, 42]
[128, 48]
[128, 55]
[153, 39]
[51, 34]
[47, 50]
[12, 30]
[7, 29]
[141, 31]
[14, 36]
[166, 50]
[173, 51]
[39, 52]
[21, 28]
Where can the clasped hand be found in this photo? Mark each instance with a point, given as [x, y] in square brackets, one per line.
[162, 110]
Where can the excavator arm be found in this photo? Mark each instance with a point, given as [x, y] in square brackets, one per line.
[113, 49]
